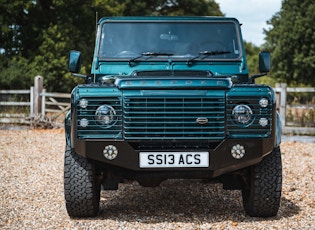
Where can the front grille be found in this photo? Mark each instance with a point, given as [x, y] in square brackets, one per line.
[173, 117]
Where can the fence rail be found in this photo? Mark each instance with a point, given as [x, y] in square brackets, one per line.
[15, 92]
[56, 104]
[39, 104]
[60, 107]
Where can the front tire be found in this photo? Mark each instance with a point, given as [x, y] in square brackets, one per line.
[262, 186]
[82, 191]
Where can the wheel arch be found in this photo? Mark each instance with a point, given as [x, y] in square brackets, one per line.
[67, 126]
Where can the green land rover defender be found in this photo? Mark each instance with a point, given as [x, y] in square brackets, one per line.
[171, 98]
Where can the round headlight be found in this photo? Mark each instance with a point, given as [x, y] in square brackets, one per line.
[263, 102]
[242, 114]
[105, 115]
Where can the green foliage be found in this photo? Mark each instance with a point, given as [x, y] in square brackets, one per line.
[252, 55]
[52, 64]
[172, 7]
[291, 41]
[36, 36]
[18, 72]
[252, 52]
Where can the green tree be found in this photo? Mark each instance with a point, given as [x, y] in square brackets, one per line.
[17, 72]
[291, 41]
[36, 36]
[172, 7]
[252, 57]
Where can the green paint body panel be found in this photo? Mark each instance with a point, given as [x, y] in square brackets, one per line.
[170, 101]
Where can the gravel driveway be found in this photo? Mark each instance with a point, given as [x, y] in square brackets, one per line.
[31, 193]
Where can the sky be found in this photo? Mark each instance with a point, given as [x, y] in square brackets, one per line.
[253, 14]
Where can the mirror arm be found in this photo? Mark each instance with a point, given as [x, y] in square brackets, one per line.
[258, 75]
[79, 75]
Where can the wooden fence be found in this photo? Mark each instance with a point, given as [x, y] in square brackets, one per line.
[11, 116]
[38, 104]
[282, 106]
[55, 105]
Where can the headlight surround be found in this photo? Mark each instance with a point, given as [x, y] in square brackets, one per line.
[105, 115]
[242, 114]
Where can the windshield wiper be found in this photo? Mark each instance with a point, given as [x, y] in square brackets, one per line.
[148, 54]
[207, 53]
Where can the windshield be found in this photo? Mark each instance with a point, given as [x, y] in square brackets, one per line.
[189, 40]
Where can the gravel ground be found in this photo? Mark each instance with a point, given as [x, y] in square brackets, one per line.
[31, 193]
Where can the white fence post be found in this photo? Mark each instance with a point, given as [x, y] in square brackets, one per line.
[31, 101]
[38, 88]
[43, 94]
[283, 103]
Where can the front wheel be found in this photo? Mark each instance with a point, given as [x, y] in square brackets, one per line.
[262, 186]
[82, 191]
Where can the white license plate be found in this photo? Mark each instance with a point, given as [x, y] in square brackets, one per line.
[173, 159]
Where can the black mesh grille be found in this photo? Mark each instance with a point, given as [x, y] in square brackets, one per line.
[173, 117]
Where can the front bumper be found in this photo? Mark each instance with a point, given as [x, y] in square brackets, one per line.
[220, 158]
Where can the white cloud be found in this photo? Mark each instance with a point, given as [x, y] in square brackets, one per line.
[253, 14]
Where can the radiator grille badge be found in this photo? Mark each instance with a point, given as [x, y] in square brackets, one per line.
[202, 120]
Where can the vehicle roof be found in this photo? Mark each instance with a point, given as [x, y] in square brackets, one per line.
[168, 18]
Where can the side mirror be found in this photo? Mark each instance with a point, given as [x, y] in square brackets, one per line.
[74, 64]
[264, 61]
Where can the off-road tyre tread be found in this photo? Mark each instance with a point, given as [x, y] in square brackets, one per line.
[82, 193]
[262, 191]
